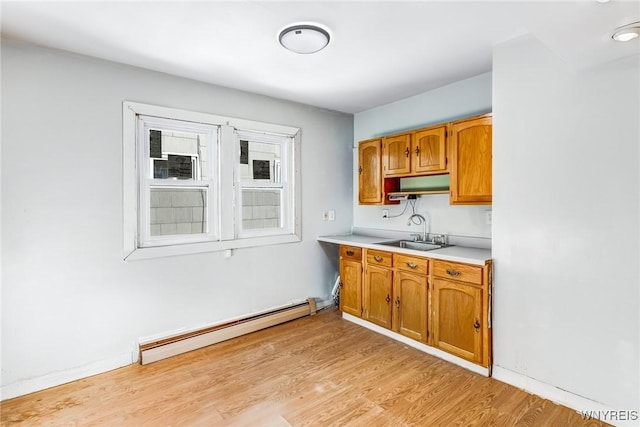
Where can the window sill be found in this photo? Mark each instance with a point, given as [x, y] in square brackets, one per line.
[197, 248]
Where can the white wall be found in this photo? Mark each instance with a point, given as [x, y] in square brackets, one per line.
[461, 99]
[566, 222]
[69, 302]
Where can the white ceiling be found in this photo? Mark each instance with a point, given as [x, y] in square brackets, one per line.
[380, 51]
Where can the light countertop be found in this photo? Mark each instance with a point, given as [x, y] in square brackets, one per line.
[456, 253]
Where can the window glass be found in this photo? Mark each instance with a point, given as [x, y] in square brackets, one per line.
[175, 211]
[177, 155]
[260, 162]
[261, 208]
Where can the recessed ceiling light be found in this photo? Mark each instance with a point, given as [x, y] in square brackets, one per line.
[304, 38]
[627, 32]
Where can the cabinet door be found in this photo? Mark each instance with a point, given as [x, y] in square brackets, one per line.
[377, 295]
[470, 157]
[396, 155]
[370, 172]
[410, 300]
[429, 151]
[457, 319]
[351, 287]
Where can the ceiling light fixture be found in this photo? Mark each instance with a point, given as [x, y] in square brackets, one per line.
[627, 32]
[304, 38]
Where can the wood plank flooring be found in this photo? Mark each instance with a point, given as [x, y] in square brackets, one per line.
[315, 371]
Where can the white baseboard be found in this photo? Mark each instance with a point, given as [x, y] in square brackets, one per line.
[560, 396]
[32, 385]
[417, 345]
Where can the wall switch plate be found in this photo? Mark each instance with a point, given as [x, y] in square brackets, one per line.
[385, 213]
[325, 215]
[332, 215]
[487, 217]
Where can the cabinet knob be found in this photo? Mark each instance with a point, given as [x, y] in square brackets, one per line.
[398, 302]
[406, 152]
[454, 273]
[378, 258]
[360, 169]
[350, 252]
[388, 298]
[417, 151]
[476, 325]
[412, 265]
[341, 285]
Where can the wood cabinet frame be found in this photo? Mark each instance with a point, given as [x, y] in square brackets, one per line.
[435, 290]
[460, 148]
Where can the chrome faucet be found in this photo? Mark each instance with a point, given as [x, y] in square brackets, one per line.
[422, 221]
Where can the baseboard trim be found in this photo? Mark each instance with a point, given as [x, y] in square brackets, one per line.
[419, 346]
[557, 395]
[174, 345]
[31, 385]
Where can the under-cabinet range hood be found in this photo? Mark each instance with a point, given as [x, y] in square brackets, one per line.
[421, 185]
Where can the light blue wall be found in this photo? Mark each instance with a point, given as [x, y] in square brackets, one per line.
[70, 305]
[566, 232]
[461, 99]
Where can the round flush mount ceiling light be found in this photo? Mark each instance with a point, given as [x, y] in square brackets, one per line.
[304, 38]
[627, 32]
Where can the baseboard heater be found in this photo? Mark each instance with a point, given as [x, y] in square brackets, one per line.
[177, 344]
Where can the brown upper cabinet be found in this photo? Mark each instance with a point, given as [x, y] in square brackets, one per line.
[421, 152]
[429, 150]
[461, 149]
[396, 155]
[370, 172]
[470, 156]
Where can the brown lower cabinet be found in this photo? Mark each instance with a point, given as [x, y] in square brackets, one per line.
[438, 303]
[351, 280]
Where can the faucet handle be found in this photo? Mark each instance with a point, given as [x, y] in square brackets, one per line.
[416, 237]
[441, 238]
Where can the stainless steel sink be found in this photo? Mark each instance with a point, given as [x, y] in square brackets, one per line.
[409, 244]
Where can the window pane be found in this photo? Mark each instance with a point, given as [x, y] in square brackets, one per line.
[261, 208]
[178, 155]
[260, 161]
[178, 211]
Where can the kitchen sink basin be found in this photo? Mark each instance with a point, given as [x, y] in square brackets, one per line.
[410, 244]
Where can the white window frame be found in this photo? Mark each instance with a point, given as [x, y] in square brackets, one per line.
[287, 215]
[145, 123]
[225, 185]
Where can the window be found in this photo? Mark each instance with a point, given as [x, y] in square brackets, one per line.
[263, 185]
[196, 182]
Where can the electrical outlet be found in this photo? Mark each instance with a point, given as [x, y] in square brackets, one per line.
[487, 217]
[332, 215]
[385, 213]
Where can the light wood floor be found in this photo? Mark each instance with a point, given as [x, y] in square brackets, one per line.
[315, 371]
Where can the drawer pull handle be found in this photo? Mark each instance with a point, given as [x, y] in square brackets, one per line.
[476, 325]
[377, 258]
[398, 302]
[412, 265]
[388, 299]
[453, 272]
[350, 252]
[406, 152]
[341, 284]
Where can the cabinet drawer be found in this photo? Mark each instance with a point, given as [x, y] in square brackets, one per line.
[409, 263]
[381, 258]
[455, 271]
[351, 252]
